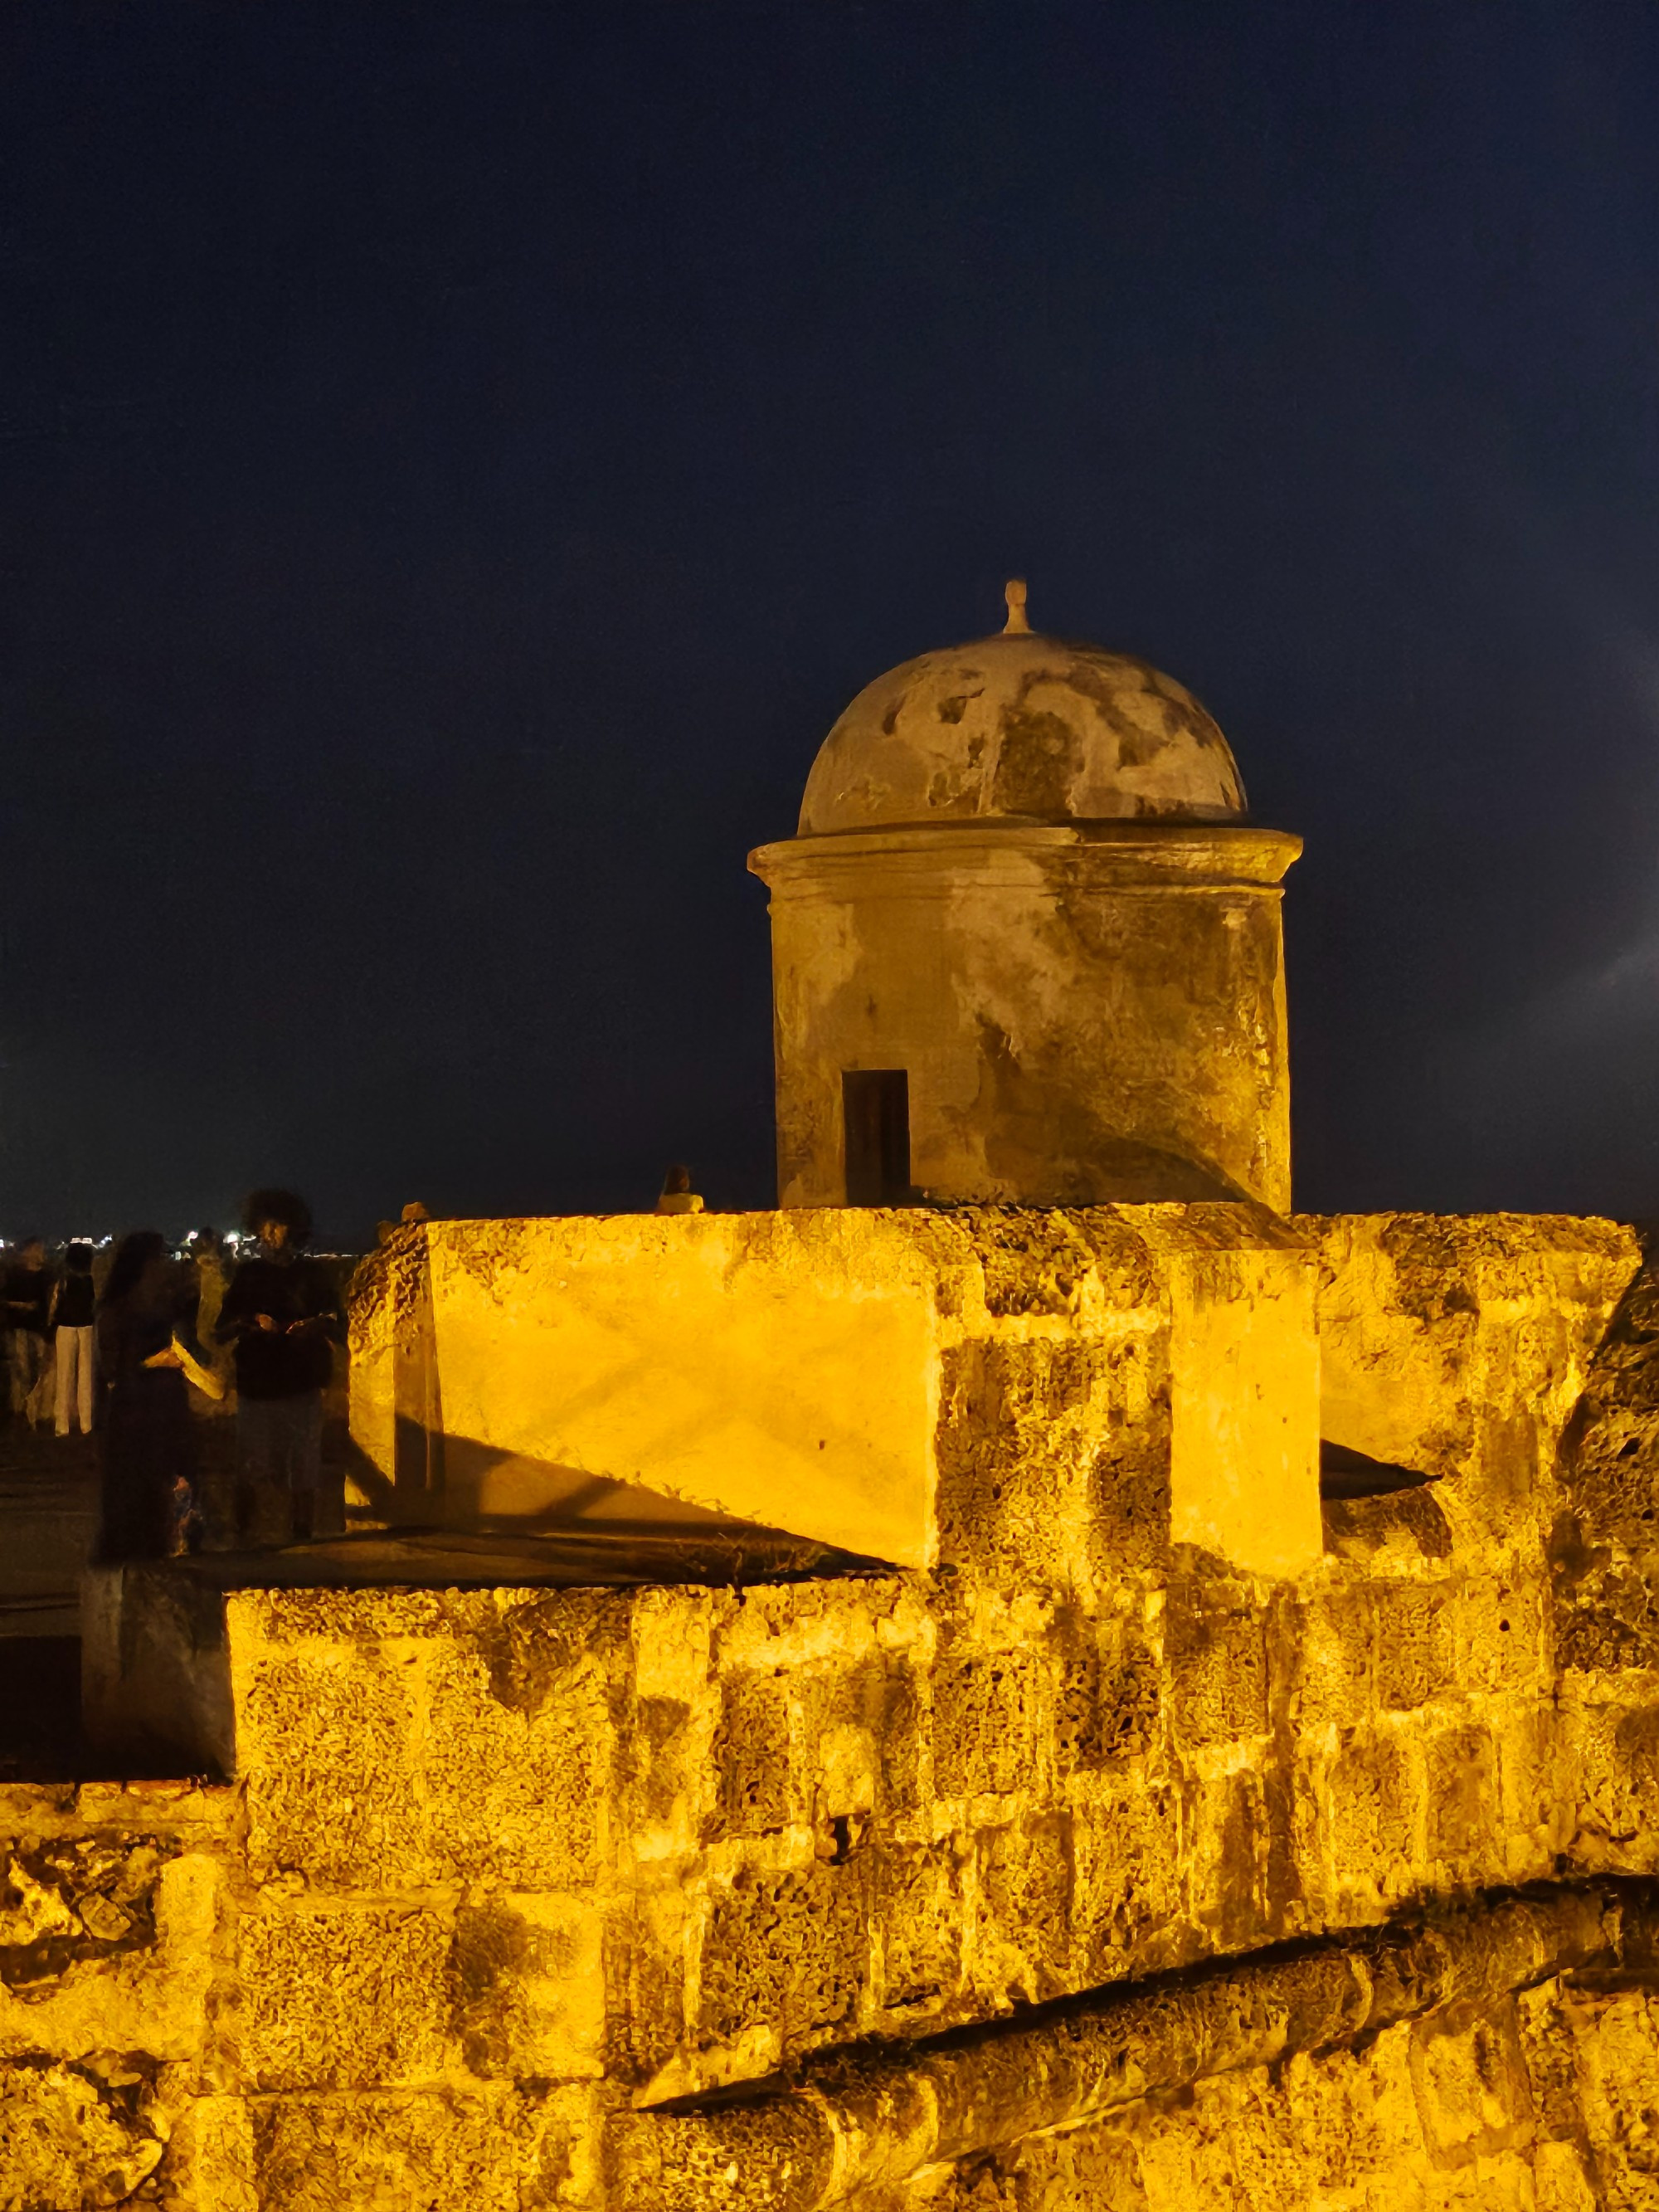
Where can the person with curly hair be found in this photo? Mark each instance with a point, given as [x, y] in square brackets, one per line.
[282, 1313]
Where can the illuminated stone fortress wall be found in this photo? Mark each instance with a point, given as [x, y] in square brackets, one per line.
[1191, 1739]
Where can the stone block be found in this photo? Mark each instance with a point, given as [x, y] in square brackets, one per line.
[1500, 1634]
[1216, 1652]
[917, 1915]
[790, 1360]
[757, 1770]
[210, 2155]
[1129, 1893]
[1616, 2051]
[1434, 1326]
[1537, 1770]
[1019, 1445]
[528, 1989]
[327, 1745]
[1374, 1820]
[1026, 1883]
[669, 1747]
[1108, 1702]
[1613, 1785]
[648, 1933]
[1127, 1529]
[787, 1953]
[513, 1793]
[1464, 1807]
[901, 1737]
[989, 1716]
[433, 2150]
[69, 2139]
[107, 1942]
[1548, 2054]
[1244, 1875]
[347, 1997]
[1244, 1404]
[1414, 1658]
[1335, 1657]
[1470, 2083]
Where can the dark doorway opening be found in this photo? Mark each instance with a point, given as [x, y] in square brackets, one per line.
[875, 1106]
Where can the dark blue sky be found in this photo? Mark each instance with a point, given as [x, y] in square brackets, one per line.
[456, 463]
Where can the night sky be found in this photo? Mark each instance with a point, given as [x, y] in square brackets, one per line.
[455, 464]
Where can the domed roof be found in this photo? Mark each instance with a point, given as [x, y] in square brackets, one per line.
[1024, 728]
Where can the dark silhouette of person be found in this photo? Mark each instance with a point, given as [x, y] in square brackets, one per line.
[26, 1299]
[282, 1313]
[148, 1440]
[677, 1195]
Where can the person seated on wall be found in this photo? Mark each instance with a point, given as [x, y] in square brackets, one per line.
[411, 1218]
[282, 1313]
[678, 1195]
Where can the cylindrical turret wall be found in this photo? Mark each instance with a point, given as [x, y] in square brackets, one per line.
[1046, 1015]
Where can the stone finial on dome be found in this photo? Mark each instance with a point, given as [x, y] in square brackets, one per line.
[1014, 591]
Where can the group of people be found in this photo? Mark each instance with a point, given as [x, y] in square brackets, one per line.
[124, 1359]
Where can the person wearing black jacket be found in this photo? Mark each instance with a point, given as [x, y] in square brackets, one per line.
[282, 1313]
[25, 1304]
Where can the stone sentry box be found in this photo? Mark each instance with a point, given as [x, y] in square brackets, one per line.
[1083, 1011]
[1026, 909]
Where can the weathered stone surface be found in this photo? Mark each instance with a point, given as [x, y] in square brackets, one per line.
[1073, 1390]
[855, 2125]
[74, 2135]
[1021, 724]
[504, 1865]
[348, 1998]
[1459, 1345]
[500, 2153]
[1113, 1029]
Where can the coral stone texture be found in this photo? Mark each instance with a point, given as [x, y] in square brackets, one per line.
[1023, 881]
[1087, 1863]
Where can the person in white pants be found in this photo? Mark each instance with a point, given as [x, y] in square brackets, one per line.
[74, 1310]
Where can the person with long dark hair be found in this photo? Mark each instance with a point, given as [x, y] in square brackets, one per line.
[74, 1318]
[147, 1457]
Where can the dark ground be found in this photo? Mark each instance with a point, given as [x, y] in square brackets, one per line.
[48, 1519]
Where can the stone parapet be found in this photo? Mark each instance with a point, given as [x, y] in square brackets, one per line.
[840, 1373]
[507, 1871]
